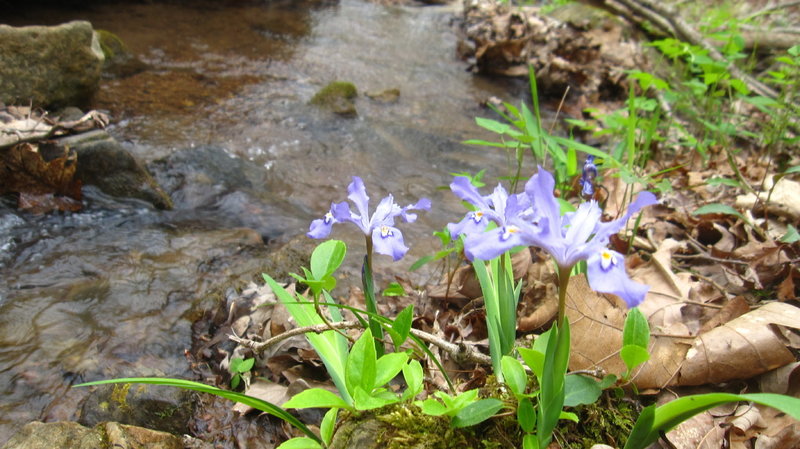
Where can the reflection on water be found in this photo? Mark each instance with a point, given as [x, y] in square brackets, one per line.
[113, 290]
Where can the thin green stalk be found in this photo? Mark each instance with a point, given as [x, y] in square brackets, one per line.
[563, 281]
[369, 298]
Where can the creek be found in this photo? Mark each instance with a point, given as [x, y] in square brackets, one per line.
[113, 290]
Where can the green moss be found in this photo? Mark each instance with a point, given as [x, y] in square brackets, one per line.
[119, 395]
[338, 97]
[608, 421]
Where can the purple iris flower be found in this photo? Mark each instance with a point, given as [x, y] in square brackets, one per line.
[587, 177]
[576, 236]
[386, 238]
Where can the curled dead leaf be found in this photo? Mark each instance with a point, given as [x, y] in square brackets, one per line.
[40, 172]
[742, 348]
[597, 320]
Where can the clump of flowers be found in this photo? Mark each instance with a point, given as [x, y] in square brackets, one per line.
[533, 218]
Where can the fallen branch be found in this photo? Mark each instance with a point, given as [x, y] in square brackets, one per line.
[460, 352]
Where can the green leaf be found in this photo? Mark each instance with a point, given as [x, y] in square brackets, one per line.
[526, 415]
[246, 365]
[316, 397]
[529, 441]
[636, 330]
[330, 345]
[413, 375]
[568, 416]
[551, 399]
[791, 235]
[514, 375]
[476, 412]
[326, 258]
[368, 401]
[328, 425]
[360, 370]
[258, 404]
[633, 356]
[401, 326]
[580, 390]
[492, 125]
[388, 366]
[300, 443]
[432, 407]
[717, 208]
[715, 181]
[394, 289]
[662, 419]
[420, 262]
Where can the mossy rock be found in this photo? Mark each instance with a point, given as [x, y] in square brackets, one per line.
[338, 97]
[402, 426]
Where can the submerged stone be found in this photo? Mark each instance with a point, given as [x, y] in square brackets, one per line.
[337, 97]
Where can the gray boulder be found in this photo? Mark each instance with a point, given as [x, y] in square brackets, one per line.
[104, 163]
[50, 66]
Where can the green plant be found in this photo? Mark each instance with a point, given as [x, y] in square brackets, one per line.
[525, 132]
[238, 367]
[464, 409]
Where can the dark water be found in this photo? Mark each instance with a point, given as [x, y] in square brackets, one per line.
[113, 290]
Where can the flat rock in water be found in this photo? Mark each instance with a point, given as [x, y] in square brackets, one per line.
[49, 66]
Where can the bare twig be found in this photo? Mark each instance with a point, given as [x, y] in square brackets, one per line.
[460, 352]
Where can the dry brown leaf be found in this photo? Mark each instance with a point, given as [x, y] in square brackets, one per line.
[734, 308]
[782, 431]
[596, 326]
[745, 417]
[267, 391]
[784, 380]
[742, 348]
[39, 172]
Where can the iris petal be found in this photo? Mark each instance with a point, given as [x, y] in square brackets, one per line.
[388, 240]
[611, 278]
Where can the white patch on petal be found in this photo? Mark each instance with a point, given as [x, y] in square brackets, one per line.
[607, 259]
[386, 232]
[477, 216]
[507, 231]
[328, 218]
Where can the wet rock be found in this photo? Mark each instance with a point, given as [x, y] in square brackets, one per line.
[337, 97]
[197, 177]
[165, 409]
[120, 62]
[70, 435]
[50, 66]
[104, 163]
[384, 96]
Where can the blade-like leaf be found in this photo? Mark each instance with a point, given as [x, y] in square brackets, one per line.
[678, 410]
[256, 403]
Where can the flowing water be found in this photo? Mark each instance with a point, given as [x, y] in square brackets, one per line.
[113, 290]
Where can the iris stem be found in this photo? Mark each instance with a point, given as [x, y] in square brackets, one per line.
[563, 282]
[369, 298]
